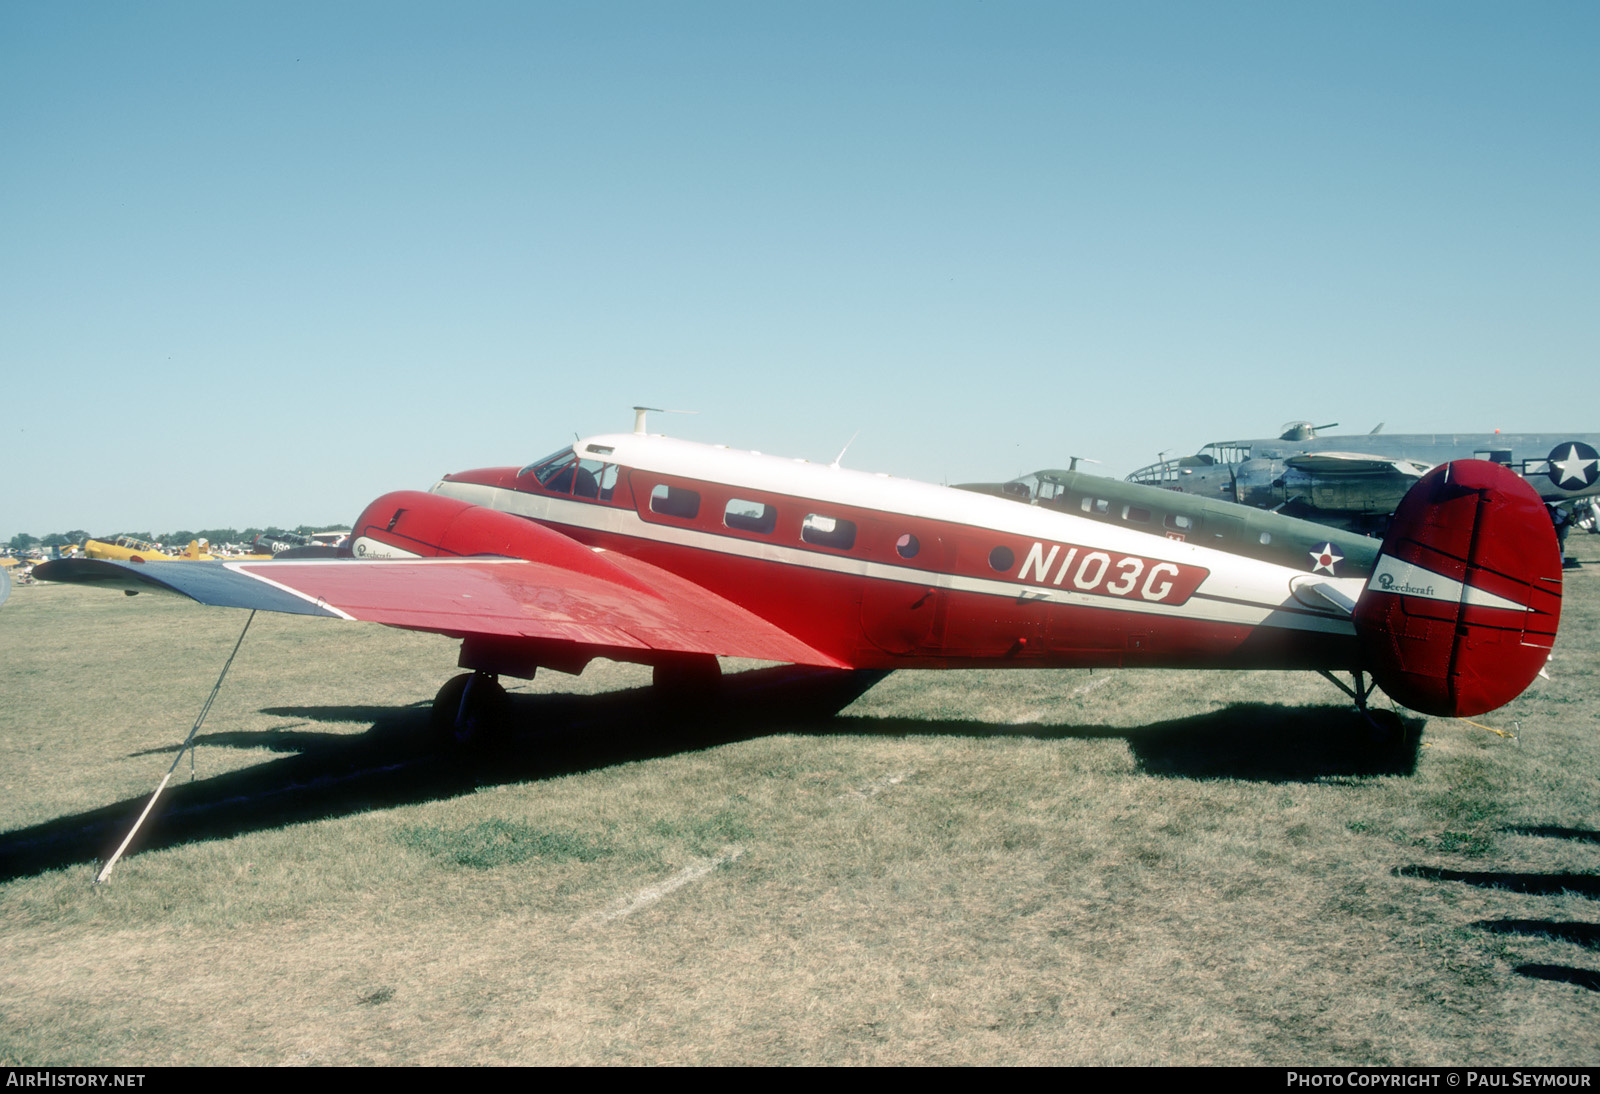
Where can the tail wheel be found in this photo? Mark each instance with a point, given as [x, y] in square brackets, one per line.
[1384, 727]
[470, 708]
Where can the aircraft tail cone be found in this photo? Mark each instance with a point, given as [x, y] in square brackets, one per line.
[1462, 607]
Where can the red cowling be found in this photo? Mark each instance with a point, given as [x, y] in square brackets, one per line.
[1463, 604]
[431, 524]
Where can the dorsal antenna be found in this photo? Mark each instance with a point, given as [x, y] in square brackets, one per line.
[640, 411]
[846, 448]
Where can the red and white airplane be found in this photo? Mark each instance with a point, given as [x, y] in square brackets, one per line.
[648, 549]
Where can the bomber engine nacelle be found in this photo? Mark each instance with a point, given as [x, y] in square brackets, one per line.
[413, 524]
[1461, 609]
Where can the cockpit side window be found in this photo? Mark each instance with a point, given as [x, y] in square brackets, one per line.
[548, 468]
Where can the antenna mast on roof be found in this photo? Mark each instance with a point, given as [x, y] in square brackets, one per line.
[846, 448]
[640, 411]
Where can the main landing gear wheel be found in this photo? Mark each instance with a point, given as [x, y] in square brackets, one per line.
[468, 709]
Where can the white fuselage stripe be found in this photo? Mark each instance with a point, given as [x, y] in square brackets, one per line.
[1236, 592]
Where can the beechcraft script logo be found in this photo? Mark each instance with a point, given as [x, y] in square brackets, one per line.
[1391, 575]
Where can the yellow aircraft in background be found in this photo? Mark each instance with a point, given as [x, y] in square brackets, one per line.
[132, 549]
[127, 548]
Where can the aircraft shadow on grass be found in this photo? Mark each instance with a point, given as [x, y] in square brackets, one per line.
[1583, 935]
[397, 761]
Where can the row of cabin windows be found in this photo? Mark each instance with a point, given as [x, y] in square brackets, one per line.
[1134, 514]
[743, 515]
[840, 535]
[565, 473]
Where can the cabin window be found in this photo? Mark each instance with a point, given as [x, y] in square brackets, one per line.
[1001, 559]
[675, 501]
[750, 516]
[1135, 514]
[1179, 522]
[1099, 506]
[907, 546]
[1266, 538]
[827, 531]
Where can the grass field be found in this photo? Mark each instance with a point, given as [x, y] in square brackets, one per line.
[1052, 868]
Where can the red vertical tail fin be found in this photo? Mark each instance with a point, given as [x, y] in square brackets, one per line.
[1462, 607]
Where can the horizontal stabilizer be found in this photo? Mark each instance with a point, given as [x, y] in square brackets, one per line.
[1330, 596]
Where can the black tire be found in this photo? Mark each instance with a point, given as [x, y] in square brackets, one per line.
[687, 680]
[469, 709]
[1385, 727]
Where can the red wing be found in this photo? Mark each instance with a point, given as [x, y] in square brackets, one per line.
[643, 608]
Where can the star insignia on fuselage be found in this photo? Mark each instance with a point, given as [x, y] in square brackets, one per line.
[1325, 558]
[1581, 465]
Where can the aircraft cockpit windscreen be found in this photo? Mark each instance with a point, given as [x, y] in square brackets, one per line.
[564, 473]
[1025, 488]
[1225, 452]
[1166, 471]
[1040, 487]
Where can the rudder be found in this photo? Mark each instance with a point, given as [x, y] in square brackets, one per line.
[1462, 606]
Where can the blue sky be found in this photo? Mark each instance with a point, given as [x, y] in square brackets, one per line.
[346, 247]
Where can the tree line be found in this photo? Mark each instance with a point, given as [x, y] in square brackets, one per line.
[22, 541]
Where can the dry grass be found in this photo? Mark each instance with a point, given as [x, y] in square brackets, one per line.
[1056, 867]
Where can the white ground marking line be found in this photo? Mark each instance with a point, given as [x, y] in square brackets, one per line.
[649, 895]
[1035, 716]
[877, 786]
[1092, 685]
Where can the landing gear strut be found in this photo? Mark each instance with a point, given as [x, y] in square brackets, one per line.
[1384, 725]
[469, 708]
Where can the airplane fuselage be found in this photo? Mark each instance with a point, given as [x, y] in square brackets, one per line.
[881, 572]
